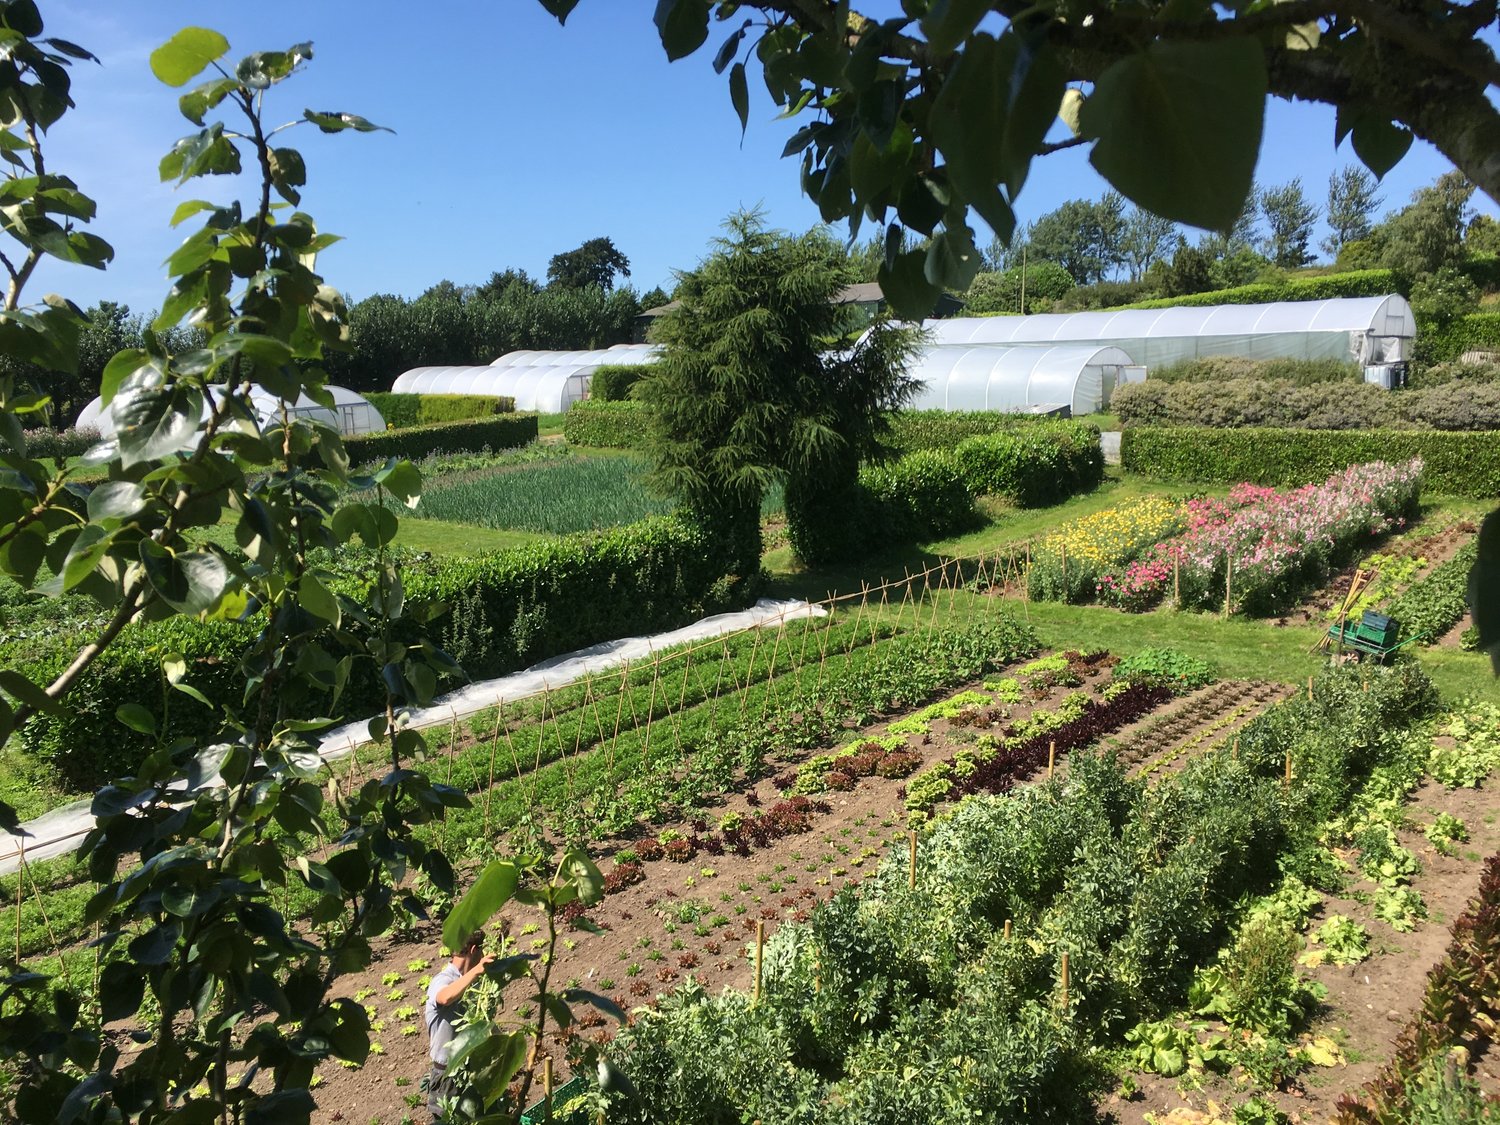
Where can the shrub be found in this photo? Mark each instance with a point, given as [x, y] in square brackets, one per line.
[399, 409]
[1454, 406]
[1459, 464]
[922, 496]
[1220, 368]
[1355, 283]
[403, 410]
[505, 610]
[1001, 292]
[613, 383]
[1033, 465]
[609, 425]
[1476, 332]
[416, 442]
[912, 430]
[44, 443]
[1454, 371]
[1105, 295]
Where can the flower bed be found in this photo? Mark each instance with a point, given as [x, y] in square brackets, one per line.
[1265, 545]
[1067, 565]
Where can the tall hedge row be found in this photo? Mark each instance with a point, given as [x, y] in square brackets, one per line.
[403, 410]
[912, 430]
[1461, 464]
[1456, 405]
[609, 425]
[1354, 283]
[612, 383]
[505, 610]
[502, 431]
[1477, 332]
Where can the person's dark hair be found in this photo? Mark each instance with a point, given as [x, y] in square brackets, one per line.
[472, 944]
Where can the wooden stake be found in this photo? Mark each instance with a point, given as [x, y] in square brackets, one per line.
[1062, 550]
[1065, 978]
[1006, 935]
[1288, 779]
[1365, 687]
[1176, 578]
[760, 951]
[1234, 754]
[547, 1084]
[1228, 583]
[911, 841]
[1051, 757]
[1309, 687]
[20, 892]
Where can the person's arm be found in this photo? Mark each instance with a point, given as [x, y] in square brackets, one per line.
[453, 991]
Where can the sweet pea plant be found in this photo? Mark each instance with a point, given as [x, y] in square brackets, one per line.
[1274, 542]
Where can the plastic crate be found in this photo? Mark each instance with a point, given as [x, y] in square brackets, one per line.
[537, 1114]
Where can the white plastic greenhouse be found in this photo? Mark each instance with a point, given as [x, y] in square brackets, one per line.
[351, 413]
[1366, 330]
[547, 382]
[956, 377]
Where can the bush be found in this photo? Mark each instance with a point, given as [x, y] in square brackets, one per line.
[912, 430]
[504, 611]
[500, 432]
[45, 443]
[1454, 371]
[1105, 295]
[1356, 283]
[1033, 465]
[1219, 368]
[609, 425]
[1460, 464]
[403, 410]
[613, 383]
[1477, 332]
[1236, 403]
[922, 496]
[1001, 292]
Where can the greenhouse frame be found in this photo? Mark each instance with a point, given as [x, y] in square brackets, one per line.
[352, 413]
[545, 382]
[1365, 330]
[1080, 377]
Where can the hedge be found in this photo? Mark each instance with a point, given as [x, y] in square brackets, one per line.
[1353, 283]
[46, 443]
[609, 425]
[1033, 465]
[921, 496]
[612, 383]
[403, 410]
[1218, 368]
[912, 430]
[1460, 464]
[507, 431]
[1461, 405]
[505, 610]
[1477, 332]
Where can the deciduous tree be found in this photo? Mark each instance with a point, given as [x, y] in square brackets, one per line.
[594, 263]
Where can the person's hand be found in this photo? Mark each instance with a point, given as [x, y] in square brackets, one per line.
[484, 963]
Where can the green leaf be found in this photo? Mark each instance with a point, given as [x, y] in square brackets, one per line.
[1178, 127]
[314, 597]
[155, 422]
[116, 499]
[560, 8]
[1380, 144]
[949, 22]
[182, 58]
[682, 26]
[952, 261]
[489, 894]
[739, 94]
[121, 988]
[19, 688]
[905, 285]
[332, 121]
[190, 582]
[198, 101]
[603, 1003]
[577, 869]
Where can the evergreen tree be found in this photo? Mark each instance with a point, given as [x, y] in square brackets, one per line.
[1351, 202]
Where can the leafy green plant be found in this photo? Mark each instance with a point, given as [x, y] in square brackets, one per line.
[1161, 1047]
[1445, 831]
[1342, 941]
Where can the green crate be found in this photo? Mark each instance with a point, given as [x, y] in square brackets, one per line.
[537, 1114]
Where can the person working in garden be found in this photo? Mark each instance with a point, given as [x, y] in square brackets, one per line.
[442, 1012]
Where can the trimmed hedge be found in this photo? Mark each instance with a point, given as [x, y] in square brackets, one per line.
[403, 410]
[922, 496]
[1033, 465]
[613, 383]
[1461, 464]
[1330, 406]
[1476, 332]
[1354, 283]
[506, 431]
[505, 610]
[45, 443]
[1218, 368]
[912, 430]
[609, 425]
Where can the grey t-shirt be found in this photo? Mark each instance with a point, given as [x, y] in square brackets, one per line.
[441, 1017]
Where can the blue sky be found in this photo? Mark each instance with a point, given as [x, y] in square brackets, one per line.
[514, 139]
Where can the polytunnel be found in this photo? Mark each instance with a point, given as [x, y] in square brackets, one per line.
[546, 382]
[351, 414]
[958, 377]
[1365, 330]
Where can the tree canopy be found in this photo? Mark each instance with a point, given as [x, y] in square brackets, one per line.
[594, 263]
[918, 119]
